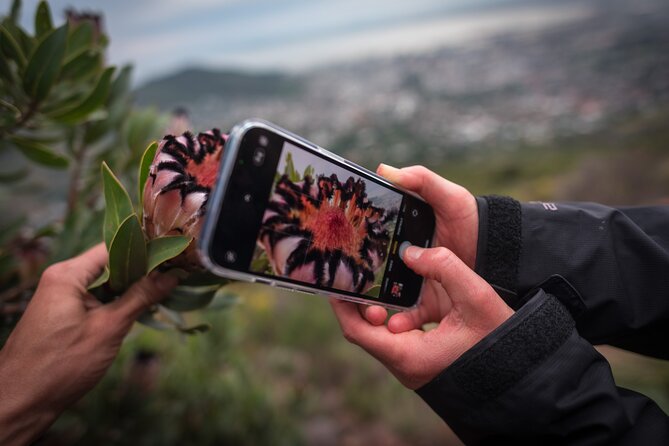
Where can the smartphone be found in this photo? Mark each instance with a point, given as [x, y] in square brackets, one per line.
[290, 214]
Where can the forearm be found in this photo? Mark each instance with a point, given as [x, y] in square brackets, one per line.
[536, 381]
[22, 416]
[614, 259]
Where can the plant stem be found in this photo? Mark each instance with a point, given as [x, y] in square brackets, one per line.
[25, 117]
[75, 177]
[32, 108]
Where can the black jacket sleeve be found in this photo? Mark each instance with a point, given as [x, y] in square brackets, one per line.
[576, 275]
[615, 263]
[535, 380]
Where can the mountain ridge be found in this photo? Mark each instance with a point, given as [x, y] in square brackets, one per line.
[196, 83]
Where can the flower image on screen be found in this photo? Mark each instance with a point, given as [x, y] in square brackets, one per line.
[325, 226]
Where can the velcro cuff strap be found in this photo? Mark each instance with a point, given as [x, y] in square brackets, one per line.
[508, 354]
[498, 253]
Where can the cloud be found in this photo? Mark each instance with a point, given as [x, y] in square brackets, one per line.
[162, 35]
[405, 38]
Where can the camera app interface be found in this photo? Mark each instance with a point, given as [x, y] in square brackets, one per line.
[311, 220]
[326, 226]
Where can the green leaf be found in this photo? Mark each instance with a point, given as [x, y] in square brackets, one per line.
[260, 264]
[80, 39]
[43, 23]
[223, 299]
[92, 102]
[144, 165]
[11, 107]
[11, 48]
[46, 231]
[172, 316]
[148, 318]
[127, 255]
[66, 245]
[374, 288]
[290, 169]
[95, 130]
[200, 328]
[189, 298]
[39, 153]
[45, 63]
[82, 66]
[5, 70]
[15, 12]
[121, 85]
[12, 177]
[101, 280]
[117, 204]
[27, 42]
[162, 249]
[308, 172]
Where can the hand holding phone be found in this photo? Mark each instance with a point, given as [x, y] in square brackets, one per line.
[288, 213]
[464, 306]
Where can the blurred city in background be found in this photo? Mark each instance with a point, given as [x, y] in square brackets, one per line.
[542, 100]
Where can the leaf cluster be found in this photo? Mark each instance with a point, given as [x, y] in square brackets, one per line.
[132, 256]
[63, 108]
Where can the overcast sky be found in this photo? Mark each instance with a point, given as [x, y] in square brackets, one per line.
[160, 36]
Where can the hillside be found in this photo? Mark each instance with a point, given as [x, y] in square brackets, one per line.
[197, 84]
[517, 89]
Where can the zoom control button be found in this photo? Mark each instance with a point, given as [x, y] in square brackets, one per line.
[259, 156]
[230, 256]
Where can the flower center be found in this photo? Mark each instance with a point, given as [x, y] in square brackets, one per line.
[207, 170]
[332, 230]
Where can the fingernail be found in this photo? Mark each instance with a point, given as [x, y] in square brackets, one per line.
[385, 168]
[412, 253]
[164, 282]
[403, 247]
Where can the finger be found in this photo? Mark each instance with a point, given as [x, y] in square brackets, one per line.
[407, 321]
[375, 314]
[434, 305]
[376, 340]
[86, 267]
[434, 189]
[141, 296]
[460, 283]
[90, 302]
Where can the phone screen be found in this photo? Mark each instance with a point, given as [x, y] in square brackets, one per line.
[292, 213]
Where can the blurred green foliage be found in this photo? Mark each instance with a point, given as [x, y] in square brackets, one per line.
[273, 370]
[62, 108]
[624, 164]
[168, 389]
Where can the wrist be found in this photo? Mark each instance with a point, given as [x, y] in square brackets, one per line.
[22, 415]
[512, 350]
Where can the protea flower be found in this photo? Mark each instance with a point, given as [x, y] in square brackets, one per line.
[181, 176]
[326, 232]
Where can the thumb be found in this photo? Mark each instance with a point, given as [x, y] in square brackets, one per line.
[142, 295]
[462, 284]
[437, 191]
